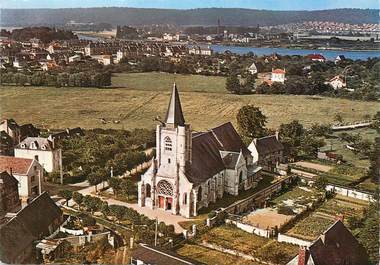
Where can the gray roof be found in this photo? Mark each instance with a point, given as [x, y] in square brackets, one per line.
[40, 143]
[174, 114]
[268, 144]
[30, 224]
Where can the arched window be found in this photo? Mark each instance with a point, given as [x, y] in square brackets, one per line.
[147, 191]
[199, 196]
[165, 188]
[168, 144]
[241, 177]
[184, 198]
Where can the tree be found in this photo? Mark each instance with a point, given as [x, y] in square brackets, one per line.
[233, 84]
[338, 118]
[321, 183]
[94, 179]
[127, 187]
[66, 194]
[115, 184]
[118, 211]
[291, 135]
[250, 83]
[374, 158]
[78, 198]
[251, 122]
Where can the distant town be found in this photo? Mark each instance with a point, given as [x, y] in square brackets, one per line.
[165, 144]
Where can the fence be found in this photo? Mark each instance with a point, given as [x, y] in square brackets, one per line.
[250, 228]
[292, 240]
[350, 192]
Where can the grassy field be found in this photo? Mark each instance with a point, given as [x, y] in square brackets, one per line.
[337, 146]
[137, 99]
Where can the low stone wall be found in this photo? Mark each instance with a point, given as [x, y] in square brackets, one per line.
[349, 192]
[74, 232]
[83, 239]
[292, 240]
[250, 229]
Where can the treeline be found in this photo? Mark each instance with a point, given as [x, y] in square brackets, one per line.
[81, 79]
[45, 34]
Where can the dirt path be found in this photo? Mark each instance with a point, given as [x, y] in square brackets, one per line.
[319, 167]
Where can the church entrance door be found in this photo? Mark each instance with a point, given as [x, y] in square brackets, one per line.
[169, 202]
[161, 201]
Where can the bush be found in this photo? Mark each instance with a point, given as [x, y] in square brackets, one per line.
[211, 214]
[285, 210]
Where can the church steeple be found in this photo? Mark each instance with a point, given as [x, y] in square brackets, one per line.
[174, 115]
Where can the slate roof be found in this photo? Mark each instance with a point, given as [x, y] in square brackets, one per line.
[30, 224]
[18, 165]
[174, 114]
[29, 130]
[337, 246]
[206, 158]
[230, 160]
[6, 178]
[40, 143]
[267, 145]
[156, 256]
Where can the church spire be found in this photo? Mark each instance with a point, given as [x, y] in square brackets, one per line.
[174, 113]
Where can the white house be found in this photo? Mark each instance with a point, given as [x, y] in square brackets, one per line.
[193, 169]
[252, 69]
[75, 58]
[28, 172]
[42, 150]
[337, 82]
[278, 75]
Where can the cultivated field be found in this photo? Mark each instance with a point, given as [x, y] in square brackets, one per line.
[316, 223]
[266, 218]
[137, 99]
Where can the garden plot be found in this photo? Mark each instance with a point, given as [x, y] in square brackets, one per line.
[297, 199]
[267, 250]
[310, 227]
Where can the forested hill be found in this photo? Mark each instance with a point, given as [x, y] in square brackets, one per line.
[203, 16]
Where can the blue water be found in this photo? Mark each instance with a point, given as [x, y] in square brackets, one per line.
[328, 54]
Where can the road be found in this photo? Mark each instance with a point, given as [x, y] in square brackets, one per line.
[166, 217]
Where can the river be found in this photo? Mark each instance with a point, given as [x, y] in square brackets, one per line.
[328, 54]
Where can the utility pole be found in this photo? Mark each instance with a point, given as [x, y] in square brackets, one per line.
[60, 165]
[155, 233]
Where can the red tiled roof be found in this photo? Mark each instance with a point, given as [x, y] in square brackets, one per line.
[278, 71]
[18, 165]
[316, 57]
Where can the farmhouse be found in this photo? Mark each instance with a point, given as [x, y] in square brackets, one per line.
[337, 82]
[316, 57]
[28, 172]
[193, 169]
[335, 246]
[267, 152]
[278, 75]
[252, 69]
[41, 149]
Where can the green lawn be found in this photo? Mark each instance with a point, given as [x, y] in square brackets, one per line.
[137, 99]
[299, 197]
[337, 146]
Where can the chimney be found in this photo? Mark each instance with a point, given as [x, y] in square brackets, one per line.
[339, 217]
[255, 141]
[303, 256]
[10, 171]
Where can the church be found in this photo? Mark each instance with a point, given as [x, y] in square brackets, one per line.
[193, 169]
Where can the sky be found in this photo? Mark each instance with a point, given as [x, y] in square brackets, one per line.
[189, 4]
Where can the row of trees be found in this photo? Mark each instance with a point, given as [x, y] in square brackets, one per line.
[297, 140]
[81, 79]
